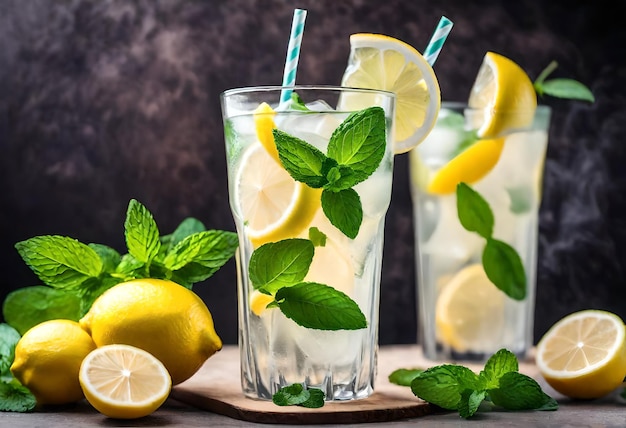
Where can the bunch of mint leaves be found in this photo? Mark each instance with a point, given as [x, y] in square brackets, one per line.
[298, 395]
[455, 387]
[75, 274]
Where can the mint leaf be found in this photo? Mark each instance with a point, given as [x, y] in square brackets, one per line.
[474, 212]
[8, 339]
[28, 306]
[59, 261]
[316, 399]
[141, 232]
[442, 385]
[566, 88]
[16, 398]
[129, 266]
[317, 237]
[504, 268]
[318, 306]
[470, 401]
[404, 377]
[187, 227]
[359, 142]
[291, 395]
[93, 288]
[280, 264]
[303, 161]
[110, 257]
[520, 392]
[340, 177]
[297, 103]
[210, 249]
[343, 209]
[500, 363]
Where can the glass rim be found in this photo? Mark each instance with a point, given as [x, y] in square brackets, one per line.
[541, 108]
[332, 88]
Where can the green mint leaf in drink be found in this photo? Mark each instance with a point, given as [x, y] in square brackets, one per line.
[318, 306]
[317, 237]
[560, 87]
[404, 377]
[280, 264]
[504, 268]
[315, 400]
[59, 261]
[211, 249]
[470, 401]
[340, 177]
[187, 227]
[16, 398]
[359, 142]
[9, 337]
[343, 209]
[500, 363]
[28, 306]
[291, 395]
[141, 232]
[473, 210]
[109, 256]
[303, 161]
[297, 103]
[442, 385]
[520, 392]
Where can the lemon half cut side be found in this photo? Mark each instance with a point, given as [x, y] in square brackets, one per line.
[385, 63]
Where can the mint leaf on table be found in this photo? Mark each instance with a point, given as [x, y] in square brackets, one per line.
[474, 212]
[60, 261]
[8, 339]
[316, 399]
[280, 264]
[560, 87]
[500, 363]
[344, 210]
[504, 268]
[297, 395]
[303, 161]
[517, 391]
[404, 377]
[442, 385]
[141, 233]
[16, 398]
[28, 306]
[318, 306]
[470, 402]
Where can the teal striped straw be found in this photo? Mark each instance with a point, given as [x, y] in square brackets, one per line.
[293, 53]
[436, 41]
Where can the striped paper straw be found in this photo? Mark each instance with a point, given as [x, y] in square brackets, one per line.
[436, 41]
[293, 53]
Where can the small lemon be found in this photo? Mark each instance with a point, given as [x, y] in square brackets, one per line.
[159, 316]
[48, 358]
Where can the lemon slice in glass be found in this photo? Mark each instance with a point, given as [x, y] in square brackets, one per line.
[382, 62]
[584, 354]
[504, 95]
[274, 206]
[470, 311]
[123, 381]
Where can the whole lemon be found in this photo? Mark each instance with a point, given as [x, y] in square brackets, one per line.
[166, 319]
[47, 360]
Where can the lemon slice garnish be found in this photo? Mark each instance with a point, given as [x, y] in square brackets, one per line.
[504, 94]
[382, 62]
[469, 311]
[584, 354]
[264, 123]
[123, 381]
[469, 166]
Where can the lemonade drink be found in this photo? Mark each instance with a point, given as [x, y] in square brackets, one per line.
[270, 207]
[462, 314]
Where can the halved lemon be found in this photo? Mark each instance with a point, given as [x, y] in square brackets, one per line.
[469, 311]
[123, 381]
[584, 354]
[274, 206]
[504, 95]
[382, 62]
[468, 166]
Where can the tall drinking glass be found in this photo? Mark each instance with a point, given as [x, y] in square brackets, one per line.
[462, 315]
[271, 210]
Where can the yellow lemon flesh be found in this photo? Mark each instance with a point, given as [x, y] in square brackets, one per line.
[469, 311]
[504, 94]
[123, 381]
[47, 360]
[382, 62]
[584, 354]
[274, 206]
[264, 124]
[259, 302]
[161, 317]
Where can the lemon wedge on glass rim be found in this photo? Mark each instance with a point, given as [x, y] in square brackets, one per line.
[385, 63]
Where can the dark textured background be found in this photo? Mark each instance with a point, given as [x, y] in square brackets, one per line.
[105, 101]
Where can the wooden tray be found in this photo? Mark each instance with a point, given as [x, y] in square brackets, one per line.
[216, 388]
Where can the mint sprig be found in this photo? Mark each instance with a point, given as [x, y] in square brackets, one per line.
[354, 152]
[297, 395]
[13, 396]
[503, 265]
[561, 87]
[455, 387]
